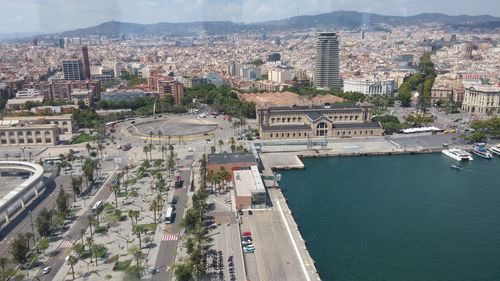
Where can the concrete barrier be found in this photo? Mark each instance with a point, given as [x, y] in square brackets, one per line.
[20, 196]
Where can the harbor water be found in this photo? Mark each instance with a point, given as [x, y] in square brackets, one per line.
[404, 217]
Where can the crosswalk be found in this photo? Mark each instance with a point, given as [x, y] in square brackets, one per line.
[169, 237]
[67, 243]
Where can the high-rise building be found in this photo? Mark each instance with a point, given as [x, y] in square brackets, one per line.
[326, 72]
[86, 62]
[73, 70]
[60, 43]
[453, 39]
[468, 51]
[35, 42]
[273, 57]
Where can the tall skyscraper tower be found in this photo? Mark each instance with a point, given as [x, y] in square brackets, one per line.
[72, 69]
[326, 72]
[468, 51]
[86, 62]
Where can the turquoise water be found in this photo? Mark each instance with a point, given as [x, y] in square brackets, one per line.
[407, 217]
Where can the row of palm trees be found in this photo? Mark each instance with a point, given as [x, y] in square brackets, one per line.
[239, 126]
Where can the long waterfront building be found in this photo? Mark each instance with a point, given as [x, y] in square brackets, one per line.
[329, 120]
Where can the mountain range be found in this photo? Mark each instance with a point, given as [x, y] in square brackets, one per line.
[336, 19]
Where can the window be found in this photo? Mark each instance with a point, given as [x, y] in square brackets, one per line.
[271, 136]
[21, 140]
[4, 141]
[300, 134]
[30, 140]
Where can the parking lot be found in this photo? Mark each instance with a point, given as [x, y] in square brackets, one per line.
[224, 258]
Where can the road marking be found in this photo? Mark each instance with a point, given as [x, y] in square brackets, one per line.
[169, 237]
[294, 244]
[67, 243]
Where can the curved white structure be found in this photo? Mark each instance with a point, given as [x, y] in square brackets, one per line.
[17, 199]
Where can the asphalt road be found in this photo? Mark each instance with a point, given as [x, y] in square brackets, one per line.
[56, 261]
[168, 249]
[21, 223]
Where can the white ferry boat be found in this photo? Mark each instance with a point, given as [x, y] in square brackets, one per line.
[458, 154]
[481, 150]
[495, 149]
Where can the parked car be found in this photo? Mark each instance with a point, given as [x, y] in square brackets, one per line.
[46, 270]
[246, 243]
[246, 233]
[249, 251]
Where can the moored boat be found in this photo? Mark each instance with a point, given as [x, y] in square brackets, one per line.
[480, 150]
[495, 149]
[458, 154]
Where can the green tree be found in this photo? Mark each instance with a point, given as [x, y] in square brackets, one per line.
[138, 229]
[3, 262]
[62, 202]
[72, 260]
[19, 250]
[76, 186]
[43, 222]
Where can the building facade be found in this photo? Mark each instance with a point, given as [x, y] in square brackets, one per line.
[16, 133]
[326, 71]
[72, 69]
[370, 87]
[64, 122]
[482, 100]
[329, 120]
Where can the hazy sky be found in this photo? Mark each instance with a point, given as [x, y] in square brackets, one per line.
[61, 15]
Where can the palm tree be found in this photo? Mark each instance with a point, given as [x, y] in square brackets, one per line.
[220, 143]
[154, 206]
[134, 214]
[138, 230]
[145, 149]
[163, 149]
[3, 263]
[116, 189]
[100, 147]
[151, 147]
[82, 233]
[28, 236]
[88, 147]
[88, 168]
[72, 260]
[90, 243]
[160, 134]
[90, 220]
[76, 185]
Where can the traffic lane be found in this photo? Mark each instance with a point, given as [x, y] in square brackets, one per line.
[21, 223]
[57, 261]
[168, 249]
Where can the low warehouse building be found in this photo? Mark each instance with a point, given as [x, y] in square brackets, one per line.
[249, 189]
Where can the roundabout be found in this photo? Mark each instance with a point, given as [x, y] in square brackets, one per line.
[173, 127]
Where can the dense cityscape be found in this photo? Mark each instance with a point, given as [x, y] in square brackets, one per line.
[158, 155]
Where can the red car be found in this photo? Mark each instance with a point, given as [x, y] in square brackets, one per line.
[246, 233]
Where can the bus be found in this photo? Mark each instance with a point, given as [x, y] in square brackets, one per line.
[169, 215]
[97, 208]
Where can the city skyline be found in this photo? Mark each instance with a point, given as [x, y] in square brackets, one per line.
[45, 16]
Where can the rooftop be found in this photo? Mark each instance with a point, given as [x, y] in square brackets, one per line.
[285, 127]
[247, 182]
[370, 125]
[226, 158]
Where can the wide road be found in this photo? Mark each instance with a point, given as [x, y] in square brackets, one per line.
[168, 249]
[22, 224]
[57, 260]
